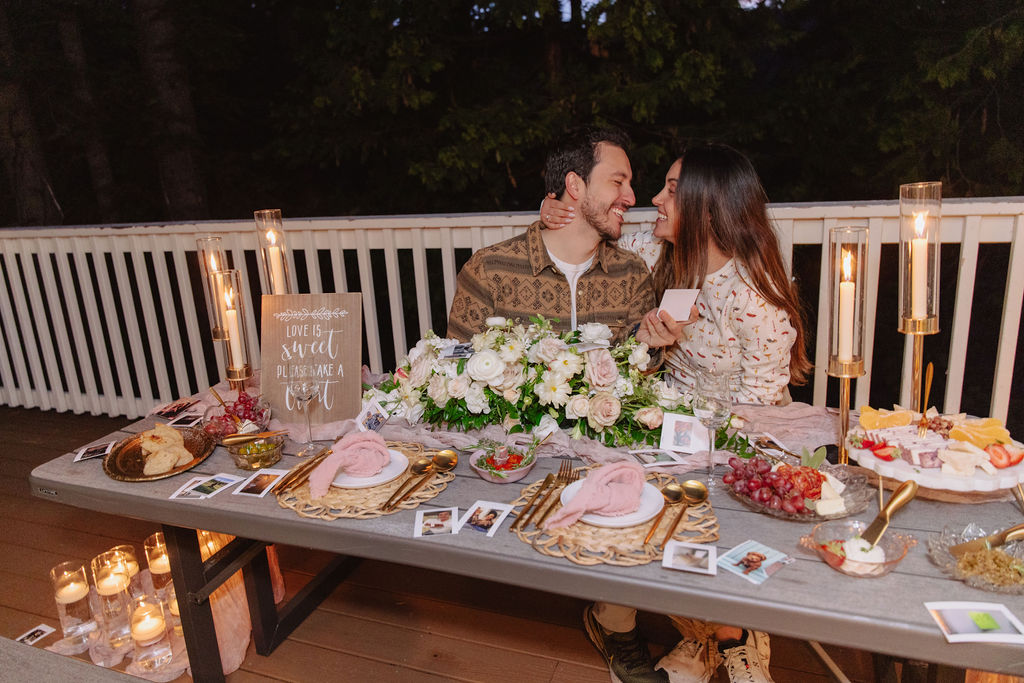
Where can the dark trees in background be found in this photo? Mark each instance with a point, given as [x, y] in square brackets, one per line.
[139, 110]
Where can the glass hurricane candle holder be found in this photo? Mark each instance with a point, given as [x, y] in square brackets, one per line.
[236, 342]
[273, 251]
[149, 634]
[211, 260]
[159, 562]
[71, 592]
[110, 576]
[135, 587]
[848, 252]
[920, 218]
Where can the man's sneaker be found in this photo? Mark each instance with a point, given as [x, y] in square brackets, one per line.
[748, 663]
[688, 662]
[629, 660]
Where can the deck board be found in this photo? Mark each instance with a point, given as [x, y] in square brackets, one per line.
[386, 622]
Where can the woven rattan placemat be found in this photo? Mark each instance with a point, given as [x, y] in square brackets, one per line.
[365, 503]
[587, 545]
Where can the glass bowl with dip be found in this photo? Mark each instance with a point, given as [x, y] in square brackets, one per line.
[840, 546]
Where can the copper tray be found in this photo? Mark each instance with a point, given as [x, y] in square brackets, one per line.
[125, 461]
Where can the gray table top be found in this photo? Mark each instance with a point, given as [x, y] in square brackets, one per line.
[806, 599]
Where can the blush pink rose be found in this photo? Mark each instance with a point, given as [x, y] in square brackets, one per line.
[604, 410]
[601, 372]
[650, 417]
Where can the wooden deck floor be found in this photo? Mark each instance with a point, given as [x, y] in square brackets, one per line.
[387, 622]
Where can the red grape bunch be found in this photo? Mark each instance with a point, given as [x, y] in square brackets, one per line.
[245, 407]
[783, 489]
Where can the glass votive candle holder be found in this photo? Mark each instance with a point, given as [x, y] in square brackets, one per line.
[149, 634]
[71, 592]
[174, 612]
[159, 562]
[110, 576]
[127, 552]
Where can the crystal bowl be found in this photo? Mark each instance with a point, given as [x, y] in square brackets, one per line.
[823, 541]
[255, 455]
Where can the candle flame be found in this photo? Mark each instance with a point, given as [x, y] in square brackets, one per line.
[847, 265]
[919, 220]
[271, 237]
[229, 298]
[213, 262]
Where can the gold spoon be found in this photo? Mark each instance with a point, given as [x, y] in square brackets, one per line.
[443, 461]
[420, 467]
[694, 493]
[673, 494]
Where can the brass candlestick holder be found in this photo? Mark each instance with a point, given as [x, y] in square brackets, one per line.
[848, 250]
[236, 337]
[920, 218]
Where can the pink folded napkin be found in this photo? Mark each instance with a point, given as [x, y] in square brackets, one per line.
[358, 454]
[609, 490]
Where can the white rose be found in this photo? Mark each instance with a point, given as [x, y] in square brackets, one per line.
[437, 390]
[577, 406]
[513, 377]
[669, 397]
[420, 370]
[595, 333]
[639, 358]
[495, 321]
[546, 350]
[476, 400]
[417, 351]
[485, 366]
[548, 425]
[604, 410]
[458, 386]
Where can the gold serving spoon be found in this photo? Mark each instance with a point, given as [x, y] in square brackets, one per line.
[694, 493]
[443, 461]
[673, 494]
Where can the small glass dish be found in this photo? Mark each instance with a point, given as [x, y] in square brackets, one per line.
[255, 455]
[856, 497]
[826, 540]
[938, 552]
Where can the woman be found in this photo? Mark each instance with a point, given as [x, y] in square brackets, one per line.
[716, 236]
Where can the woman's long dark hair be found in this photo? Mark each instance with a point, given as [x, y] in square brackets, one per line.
[719, 199]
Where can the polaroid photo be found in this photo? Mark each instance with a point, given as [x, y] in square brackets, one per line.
[175, 408]
[653, 457]
[678, 302]
[683, 434]
[185, 491]
[33, 636]
[372, 417]
[259, 483]
[484, 516]
[973, 622]
[690, 557]
[455, 351]
[436, 522]
[186, 420]
[208, 487]
[95, 451]
[753, 561]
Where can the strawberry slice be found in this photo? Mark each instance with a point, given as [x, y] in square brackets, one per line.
[999, 456]
[1016, 453]
[887, 453]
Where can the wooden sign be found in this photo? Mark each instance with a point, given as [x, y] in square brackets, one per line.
[316, 336]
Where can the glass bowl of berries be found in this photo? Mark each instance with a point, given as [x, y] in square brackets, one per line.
[498, 463]
[245, 414]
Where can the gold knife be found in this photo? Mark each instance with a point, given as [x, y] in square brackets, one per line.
[900, 497]
[299, 470]
[1014, 533]
[522, 515]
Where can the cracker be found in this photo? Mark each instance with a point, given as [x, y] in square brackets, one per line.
[159, 462]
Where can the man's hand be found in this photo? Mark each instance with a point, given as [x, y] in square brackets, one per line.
[658, 328]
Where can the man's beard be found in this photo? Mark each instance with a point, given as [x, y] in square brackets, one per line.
[599, 220]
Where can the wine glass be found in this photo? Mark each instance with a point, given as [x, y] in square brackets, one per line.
[712, 405]
[303, 387]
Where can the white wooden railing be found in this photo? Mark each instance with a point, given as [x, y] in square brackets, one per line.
[110, 319]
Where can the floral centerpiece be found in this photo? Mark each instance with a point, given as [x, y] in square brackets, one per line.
[532, 378]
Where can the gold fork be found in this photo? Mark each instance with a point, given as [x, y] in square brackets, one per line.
[569, 476]
[922, 426]
[563, 469]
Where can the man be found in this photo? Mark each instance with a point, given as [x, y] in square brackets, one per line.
[575, 274]
[578, 275]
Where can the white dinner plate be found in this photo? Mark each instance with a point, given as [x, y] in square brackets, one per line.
[933, 478]
[394, 469]
[651, 502]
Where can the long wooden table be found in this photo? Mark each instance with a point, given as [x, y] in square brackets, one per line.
[806, 599]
